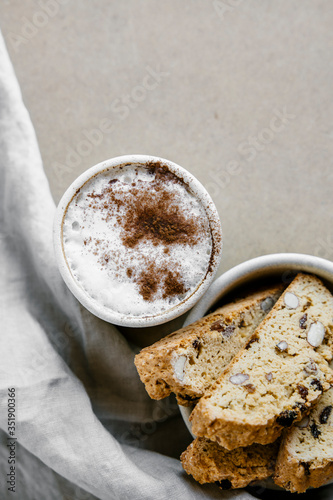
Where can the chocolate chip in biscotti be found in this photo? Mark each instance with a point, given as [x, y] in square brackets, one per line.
[314, 430]
[300, 406]
[250, 388]
[316, 385]
[251, 341]
[306, 466]
[325, 414]
[286, 418]
[302, 321]
[219, 326]
[196, 344]
[303, 391]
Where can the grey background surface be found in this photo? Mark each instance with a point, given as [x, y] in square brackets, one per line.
[223, 70]
[238, 92]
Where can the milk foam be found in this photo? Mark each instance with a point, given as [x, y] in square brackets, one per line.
[99, 261]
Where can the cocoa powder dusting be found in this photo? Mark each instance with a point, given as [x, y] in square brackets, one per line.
[151, 214]
[155, 218]
[173, 285]
[162, 173]
[154, 277]
[148, 283]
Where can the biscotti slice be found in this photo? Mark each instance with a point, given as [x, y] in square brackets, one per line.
[279, 375]
[186, 362]
[208, 462]
[306, 454]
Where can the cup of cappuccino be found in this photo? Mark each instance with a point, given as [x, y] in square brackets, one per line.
[137, 240]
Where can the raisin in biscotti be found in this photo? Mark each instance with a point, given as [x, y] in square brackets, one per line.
[306, 454]
[189, 360]
[208, 462]
[279, 375]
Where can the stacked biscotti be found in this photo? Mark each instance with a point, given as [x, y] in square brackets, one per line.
[305, 458]
[276, 383]
[188, 361]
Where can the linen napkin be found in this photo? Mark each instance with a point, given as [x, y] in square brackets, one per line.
[78, 404]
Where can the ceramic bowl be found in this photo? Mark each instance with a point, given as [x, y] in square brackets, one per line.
[272, 268]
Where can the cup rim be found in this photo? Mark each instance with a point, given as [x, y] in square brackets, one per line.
[264, 266]
[110, 315]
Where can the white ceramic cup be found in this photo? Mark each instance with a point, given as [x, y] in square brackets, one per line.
[106, 313]
[272, 268]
